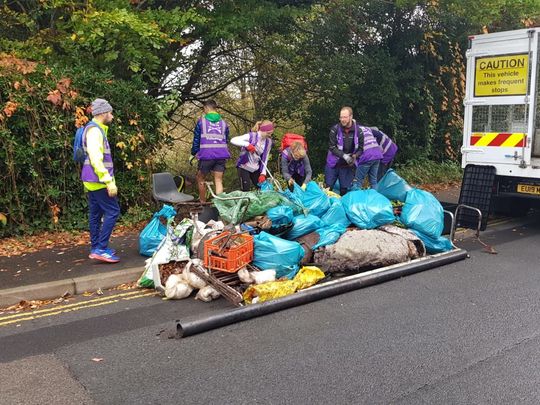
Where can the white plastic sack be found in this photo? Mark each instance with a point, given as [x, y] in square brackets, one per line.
[176, 288]
[202, 229]
[245, 276]
[207, 294]
[260, 277]
[256, 277]
[191, 278]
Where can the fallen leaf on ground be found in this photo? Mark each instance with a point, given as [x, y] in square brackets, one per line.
[433, 188]
[17, 246]
[126, 286]
[26, 305]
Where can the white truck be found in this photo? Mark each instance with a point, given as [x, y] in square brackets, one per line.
[501, 134]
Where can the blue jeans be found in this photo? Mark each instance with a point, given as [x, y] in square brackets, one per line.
[102, 207]
[345, 175]
[370, 169]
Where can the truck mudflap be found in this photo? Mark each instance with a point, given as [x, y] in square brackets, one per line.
[193, 326]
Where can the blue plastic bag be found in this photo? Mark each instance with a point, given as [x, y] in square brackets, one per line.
[336, 187]
[296, 198]
[329, 235]
[315, 199]
[271, 252]
[336, 214]
[392, 186]
[368, 209]
[266, 186]
[302, 225]
[153, 233]
[434, 245]
[422, 212]
[280, 215]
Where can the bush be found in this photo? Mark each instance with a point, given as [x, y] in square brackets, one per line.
[40, 109]
[425, 171]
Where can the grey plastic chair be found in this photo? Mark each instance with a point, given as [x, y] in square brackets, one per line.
[164, 189]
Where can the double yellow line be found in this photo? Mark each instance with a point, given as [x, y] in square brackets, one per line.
[96, 302]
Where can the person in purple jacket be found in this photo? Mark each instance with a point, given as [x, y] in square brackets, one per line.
[389, 149]
[367, 162]
[253, 160]
[295, 165]
[209, 146]
[345, 139]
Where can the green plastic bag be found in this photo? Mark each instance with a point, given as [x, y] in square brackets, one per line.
[232, 211]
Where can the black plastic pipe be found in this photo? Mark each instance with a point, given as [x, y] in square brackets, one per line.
[318, 292]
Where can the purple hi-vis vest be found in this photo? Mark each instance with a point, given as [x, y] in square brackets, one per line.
[87, 172]
[331, 159]
[294, 166]
[213, 143]
[254, 140]
[372, 150]
[388, 147]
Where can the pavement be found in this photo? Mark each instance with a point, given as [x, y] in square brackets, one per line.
[51, 273]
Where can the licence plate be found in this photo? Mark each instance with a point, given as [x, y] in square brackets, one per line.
[528, 189]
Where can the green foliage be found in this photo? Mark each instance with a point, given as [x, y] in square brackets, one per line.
[137, 213]
[39, 182]
[423, 171]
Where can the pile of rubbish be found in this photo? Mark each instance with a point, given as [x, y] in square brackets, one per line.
[269, 244]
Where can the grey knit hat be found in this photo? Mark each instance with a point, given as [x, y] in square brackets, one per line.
[100, 106]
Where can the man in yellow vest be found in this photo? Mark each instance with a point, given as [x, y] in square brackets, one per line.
[97, 175]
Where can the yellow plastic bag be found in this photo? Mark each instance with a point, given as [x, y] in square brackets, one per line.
[330, 193]
[269, 291]
[307, 276]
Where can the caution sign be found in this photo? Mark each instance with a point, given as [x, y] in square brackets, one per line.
[503, 75]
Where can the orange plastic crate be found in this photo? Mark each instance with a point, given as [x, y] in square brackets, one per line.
[233, 258]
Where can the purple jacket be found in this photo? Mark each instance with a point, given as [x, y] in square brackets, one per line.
[293, 166]
[333, 159]
[213, 142]
[372, 150]
[389, 148]
[244, 154]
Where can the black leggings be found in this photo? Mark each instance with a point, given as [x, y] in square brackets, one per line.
[245, 178]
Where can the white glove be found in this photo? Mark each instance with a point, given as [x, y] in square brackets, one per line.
[348, 158]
